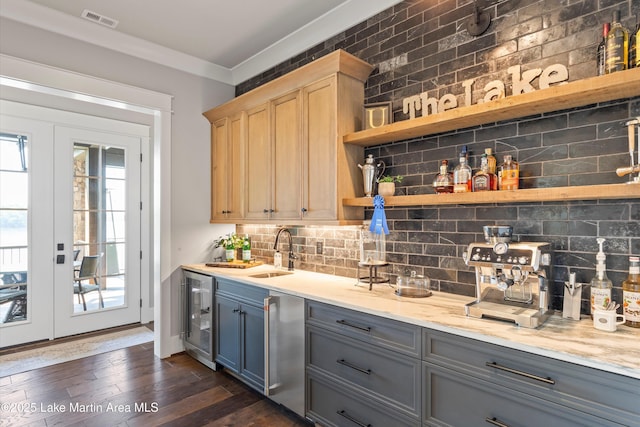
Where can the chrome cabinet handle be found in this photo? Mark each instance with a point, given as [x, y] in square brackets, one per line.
[267, 348]
[345, 323]
[521, 373]
[344, 414]
[354, 367]
[494, 421]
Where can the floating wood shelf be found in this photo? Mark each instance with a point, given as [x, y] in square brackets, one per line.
[623, 84]
[586, 192]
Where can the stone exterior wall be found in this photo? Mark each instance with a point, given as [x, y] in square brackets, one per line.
[417, 46]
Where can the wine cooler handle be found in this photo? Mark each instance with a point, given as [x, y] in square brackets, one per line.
[267, 336]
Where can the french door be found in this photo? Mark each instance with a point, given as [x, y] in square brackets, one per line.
[69, 207]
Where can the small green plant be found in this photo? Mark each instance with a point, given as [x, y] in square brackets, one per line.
[391, 178]
[230, 241]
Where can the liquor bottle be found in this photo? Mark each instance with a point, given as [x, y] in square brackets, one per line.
[601, 52]
[483, 180]
[462, 174]
[634, 47]
[491, 161]
[509, 174]
[246, 249]
[631, 294]
[617, 49]
[600, 284]
[443, 183]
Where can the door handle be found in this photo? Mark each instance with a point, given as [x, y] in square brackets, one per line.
[267, 335]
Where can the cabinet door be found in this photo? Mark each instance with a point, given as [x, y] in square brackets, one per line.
[319, 195]
[219, 168]
[235, 175]
[287, 155]
[252, 349]
[227, 175]
[228, 333]
[258, 164]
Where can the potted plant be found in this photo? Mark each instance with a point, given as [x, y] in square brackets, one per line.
[231, 243]
[387, 185]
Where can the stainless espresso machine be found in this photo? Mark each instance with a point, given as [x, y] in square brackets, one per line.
[512, 278]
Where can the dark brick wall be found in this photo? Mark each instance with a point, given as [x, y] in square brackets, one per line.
[419, 47]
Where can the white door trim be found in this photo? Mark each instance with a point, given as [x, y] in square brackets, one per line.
[40, 78]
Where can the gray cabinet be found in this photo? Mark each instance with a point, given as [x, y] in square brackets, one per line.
[361, 369]
[240, 330]
[502, 386]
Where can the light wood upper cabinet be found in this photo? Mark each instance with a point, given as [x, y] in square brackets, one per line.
[296, 168]
[258, 164]
[227, 185]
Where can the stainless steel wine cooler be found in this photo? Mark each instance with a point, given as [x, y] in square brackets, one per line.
[198, 317]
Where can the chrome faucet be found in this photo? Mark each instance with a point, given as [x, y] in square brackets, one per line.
[291, 254]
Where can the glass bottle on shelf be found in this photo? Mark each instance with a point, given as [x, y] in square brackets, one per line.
[462, 174]
[631, 294]
[617, 49]
[491, 161]
[634, 45]
[509, 176]
[483, 180]
[444, 180]
[601, 51]
[600, 284]
[246, 249]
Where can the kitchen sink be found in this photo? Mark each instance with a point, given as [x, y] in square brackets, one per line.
[268, 274]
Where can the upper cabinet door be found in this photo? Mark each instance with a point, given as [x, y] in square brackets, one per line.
[319, 142]
[227, 179]
[258, 165]
[287, 154]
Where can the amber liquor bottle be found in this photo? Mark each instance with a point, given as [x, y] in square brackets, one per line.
[634, 46]
[509, 178]
[617, 49]
[631, 294]
[483, 180]
[444, 180]
[601, 52]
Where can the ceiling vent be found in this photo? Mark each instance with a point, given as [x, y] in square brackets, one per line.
[99, 19]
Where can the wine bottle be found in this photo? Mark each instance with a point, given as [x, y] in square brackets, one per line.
[617, 49]
[600, 53]
[631, 294]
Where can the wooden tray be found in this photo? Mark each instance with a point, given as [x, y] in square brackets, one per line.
[234, 264]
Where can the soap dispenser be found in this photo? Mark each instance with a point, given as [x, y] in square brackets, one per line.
[600, 284]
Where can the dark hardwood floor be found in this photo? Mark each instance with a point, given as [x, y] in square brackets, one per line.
[132, 387]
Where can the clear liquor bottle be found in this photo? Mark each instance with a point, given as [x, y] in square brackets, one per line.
[631, 294]
[600, 284]
[509, 176]
[601, 52]
[462, 174]
[617, 49]
[443, 183]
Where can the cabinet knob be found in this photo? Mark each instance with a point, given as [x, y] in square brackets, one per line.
[304, 210]
[265, 210]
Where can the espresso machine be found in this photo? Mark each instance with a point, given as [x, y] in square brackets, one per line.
[512, 278]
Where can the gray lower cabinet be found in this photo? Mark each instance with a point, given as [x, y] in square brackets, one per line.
[240, 330]
[361, 370]
[469, 382]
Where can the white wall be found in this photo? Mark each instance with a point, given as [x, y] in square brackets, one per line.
[191, 234]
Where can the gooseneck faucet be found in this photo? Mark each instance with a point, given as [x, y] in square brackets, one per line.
[291, 254]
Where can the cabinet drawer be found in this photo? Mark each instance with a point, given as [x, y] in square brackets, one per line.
[391, 334]
[332, 404]
[590, 390]
[388, 376]
[454, 399]
[241, 292]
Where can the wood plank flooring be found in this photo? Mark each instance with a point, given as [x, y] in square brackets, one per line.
[132, 387]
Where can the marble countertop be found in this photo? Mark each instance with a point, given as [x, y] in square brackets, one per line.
[562, 339]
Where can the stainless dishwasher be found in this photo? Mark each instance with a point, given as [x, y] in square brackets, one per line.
[284, 350]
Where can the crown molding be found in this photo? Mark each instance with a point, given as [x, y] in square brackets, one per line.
[328, 25]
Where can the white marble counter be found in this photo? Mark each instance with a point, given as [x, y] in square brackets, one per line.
[571, 341]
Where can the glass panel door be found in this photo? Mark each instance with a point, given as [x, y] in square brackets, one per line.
[99, 175]
[26, 288]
